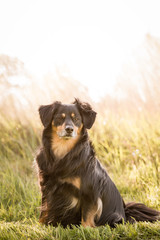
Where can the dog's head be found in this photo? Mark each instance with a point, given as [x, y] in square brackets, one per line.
[67, 120]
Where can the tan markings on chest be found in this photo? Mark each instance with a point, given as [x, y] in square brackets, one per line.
[62, 146]
[75, 181]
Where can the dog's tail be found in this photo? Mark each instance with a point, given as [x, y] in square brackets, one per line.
[140, 212]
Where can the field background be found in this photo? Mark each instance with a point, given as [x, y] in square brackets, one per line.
[126, 136]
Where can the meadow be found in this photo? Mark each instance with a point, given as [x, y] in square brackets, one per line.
[128, 147]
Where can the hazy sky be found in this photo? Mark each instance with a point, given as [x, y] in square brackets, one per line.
[92, 38]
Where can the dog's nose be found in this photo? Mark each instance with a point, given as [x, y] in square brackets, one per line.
[69, 129]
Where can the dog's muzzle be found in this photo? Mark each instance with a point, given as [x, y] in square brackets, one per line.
[69, 129]
[68, 132]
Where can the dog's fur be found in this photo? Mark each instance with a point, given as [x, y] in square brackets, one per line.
[75, 187]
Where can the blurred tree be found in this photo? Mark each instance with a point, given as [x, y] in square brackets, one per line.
[22, 93]
[9, 66]
[138, 86]
[62, 86]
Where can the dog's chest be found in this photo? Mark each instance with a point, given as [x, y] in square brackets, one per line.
[61, 147]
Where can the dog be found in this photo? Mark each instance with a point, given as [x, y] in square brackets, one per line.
[75, 187]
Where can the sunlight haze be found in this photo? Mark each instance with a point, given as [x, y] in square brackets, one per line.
[93, 39]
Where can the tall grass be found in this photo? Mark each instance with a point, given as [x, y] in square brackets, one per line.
[128, 148]
[19, 196]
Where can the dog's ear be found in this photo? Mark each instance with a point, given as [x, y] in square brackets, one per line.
[46, 113]
[88, 115]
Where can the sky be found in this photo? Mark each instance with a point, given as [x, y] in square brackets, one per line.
[92, 38]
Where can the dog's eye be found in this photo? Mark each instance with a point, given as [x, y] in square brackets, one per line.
[74, 117]
[60, 117]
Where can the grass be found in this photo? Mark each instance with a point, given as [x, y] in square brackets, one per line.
[130, 150]
[36, 231]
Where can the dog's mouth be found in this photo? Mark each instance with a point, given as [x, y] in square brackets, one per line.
[66, 136]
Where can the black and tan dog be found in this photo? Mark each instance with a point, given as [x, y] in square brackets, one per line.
[75, 187]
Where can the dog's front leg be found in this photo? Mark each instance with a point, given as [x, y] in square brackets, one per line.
[91, 211]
